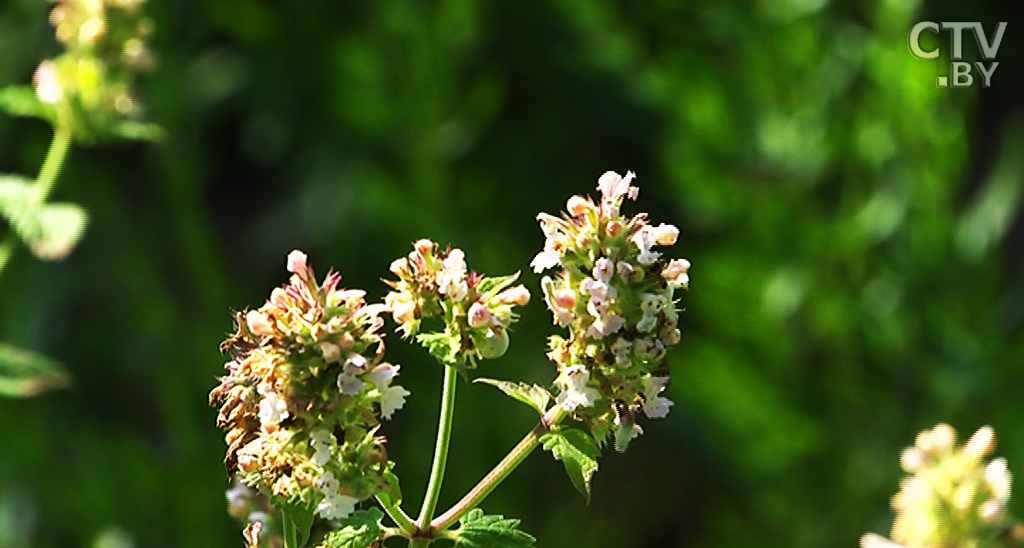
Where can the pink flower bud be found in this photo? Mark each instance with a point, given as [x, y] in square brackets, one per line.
[578, 206]
[400, 267]
[279, 298]
[47, 82]
[297, 262]
[424, 247]
[259, 323]
[479, 316]
[565, 298]
[615, 228]
[517, 295]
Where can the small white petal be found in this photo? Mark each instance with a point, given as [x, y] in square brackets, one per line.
[392, 400]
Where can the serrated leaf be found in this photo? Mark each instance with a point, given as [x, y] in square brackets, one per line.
[23, 101]
[491, 286]
[441, 347]
[578, 452]
[359, 530]
[301, 516]
[477, 530]
[25, 373]
[533, 395]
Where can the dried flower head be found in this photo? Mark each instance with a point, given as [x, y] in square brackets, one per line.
[476, 311]
[616, 295]
[305, 393]
[953, 497]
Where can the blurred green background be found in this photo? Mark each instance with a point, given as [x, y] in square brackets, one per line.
[855, 233]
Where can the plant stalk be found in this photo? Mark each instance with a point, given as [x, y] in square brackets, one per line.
[444, 431]
[397, 515]
[48, 173]
[493, 478]
[288, 532]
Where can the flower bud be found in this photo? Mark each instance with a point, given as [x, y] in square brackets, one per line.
[297, 264]
[91, 31]
[400, 267]
[330, 351]
[493, 344]
[666, 234]
[578, 206]
[259, 323]
[518, 295]
[479, 316]
[981, 443]
[47, 82]
[424, 247]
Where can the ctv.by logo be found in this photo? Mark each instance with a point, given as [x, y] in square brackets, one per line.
[960, 71]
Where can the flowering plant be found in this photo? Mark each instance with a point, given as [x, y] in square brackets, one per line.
[308, 387]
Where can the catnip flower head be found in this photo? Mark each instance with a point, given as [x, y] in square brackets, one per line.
[615, 293]
[476, 311]
[305, 393]
[953, 496]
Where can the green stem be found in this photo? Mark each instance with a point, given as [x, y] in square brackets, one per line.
[53, 163]
[493, 478]
[288, 532]
[397, 515]
[444, 432]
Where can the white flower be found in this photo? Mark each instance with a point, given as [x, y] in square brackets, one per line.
[382, 374]
[675, 273]
[273, 409]
[620, 348]
[337, 507]
[451, 281]
[545, 260]
[613, 188]
[605, 325]
[355, 364]
[392, 399]
[647, 323]
[575, 391]
[644, 239]
[322, 442]
[349, 384]
[603, 270]
[655, 406]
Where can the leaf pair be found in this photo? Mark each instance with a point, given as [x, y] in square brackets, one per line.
[49, 230]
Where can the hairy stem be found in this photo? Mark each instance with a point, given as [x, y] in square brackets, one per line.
[444, 431]
[501, 470]
[397, 515]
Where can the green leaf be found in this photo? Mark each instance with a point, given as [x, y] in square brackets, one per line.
[477, 530]
[49, 230]
[533, 395]
[360, 530]
[25, 373]
[301, 516]
[392, 496]
[489, 287]
[138, 131]
[441, 346]
[578, 452]
[23, 101]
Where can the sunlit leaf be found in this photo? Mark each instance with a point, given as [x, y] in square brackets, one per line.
[25, 373]
[578, 452]
[477, 530]
[533, 395]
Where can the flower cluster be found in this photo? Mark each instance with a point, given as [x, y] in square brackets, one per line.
[953, 497]
[616, 294]
[476, 311]
[90, 85]
[304, 393]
